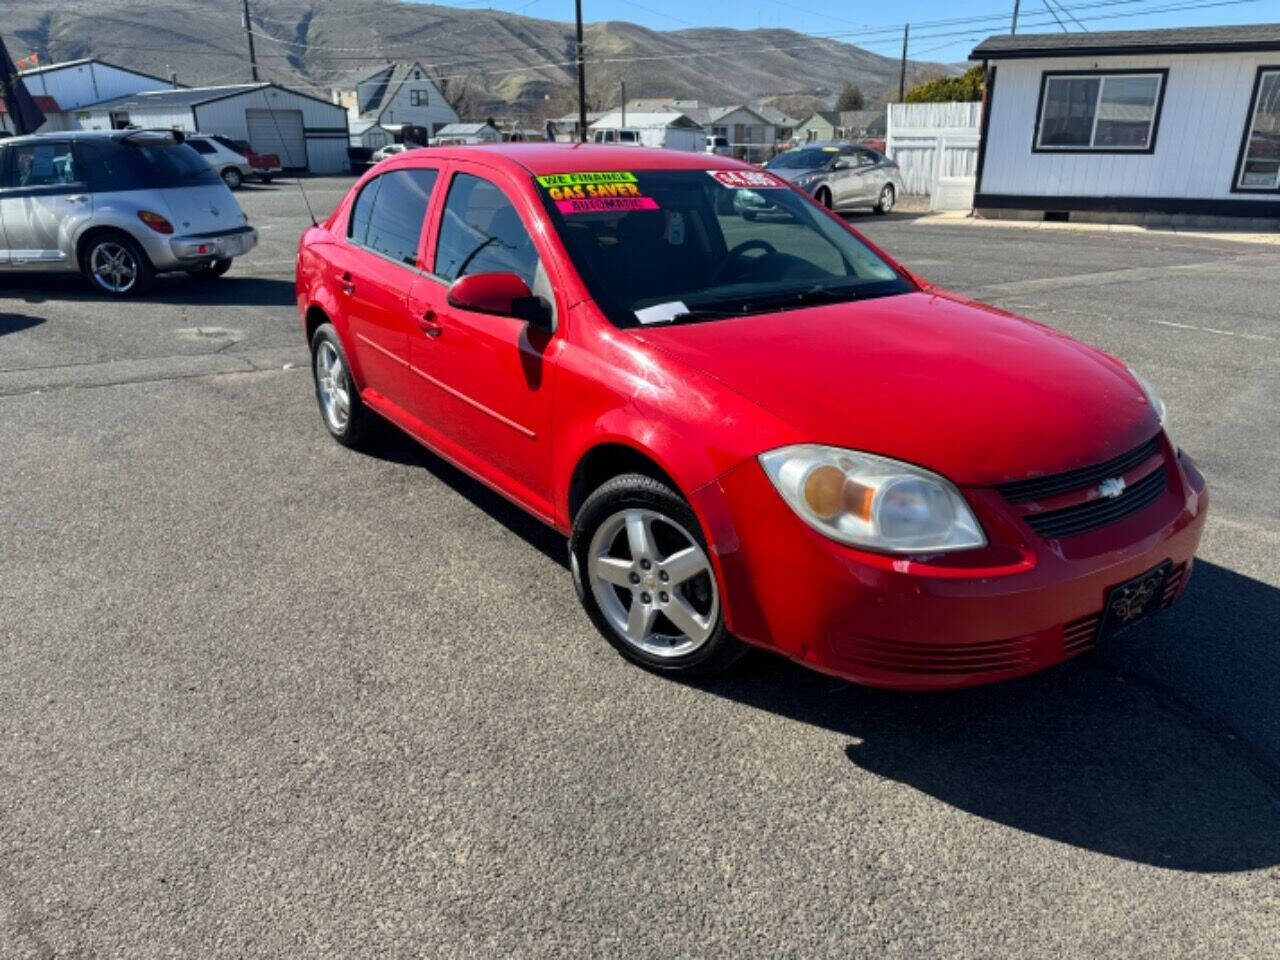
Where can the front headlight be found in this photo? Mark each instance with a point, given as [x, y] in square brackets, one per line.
[872, 502]
[1153, 398]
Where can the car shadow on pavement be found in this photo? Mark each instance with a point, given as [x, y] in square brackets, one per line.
[228, 291]
[395, 446]
[1092, 753]
[15, 322]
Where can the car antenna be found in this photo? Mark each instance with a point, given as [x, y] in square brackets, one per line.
[298, 179]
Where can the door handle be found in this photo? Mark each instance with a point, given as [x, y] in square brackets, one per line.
[429, 325]
[345, 283]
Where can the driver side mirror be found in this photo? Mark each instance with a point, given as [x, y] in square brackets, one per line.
[503, 295]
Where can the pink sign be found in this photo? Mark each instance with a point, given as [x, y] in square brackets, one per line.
[606, 204]
[748, 179]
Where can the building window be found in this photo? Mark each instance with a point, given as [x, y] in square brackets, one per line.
[719, 131]
[417, 98]
[1100, 112]
[1259, 164]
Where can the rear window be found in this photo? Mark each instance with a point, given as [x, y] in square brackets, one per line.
[119, 165]
[387, 216]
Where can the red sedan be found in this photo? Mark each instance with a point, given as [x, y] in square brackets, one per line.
[757, 431]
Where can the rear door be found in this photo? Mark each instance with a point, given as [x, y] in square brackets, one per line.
[375, 269]
[43, 198]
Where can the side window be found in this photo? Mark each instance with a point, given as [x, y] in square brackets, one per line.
[40, 165]
[362, 210]
[481, 232]
[866, 158]
[201, 146]
[399, 209]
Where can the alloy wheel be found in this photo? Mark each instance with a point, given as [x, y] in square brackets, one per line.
[113, 267]
[653, 582]
[333, 386]
[886, 199]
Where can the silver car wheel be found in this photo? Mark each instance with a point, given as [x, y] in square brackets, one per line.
[653, 582]
[333, 386]
[886, 199]
[113, 267]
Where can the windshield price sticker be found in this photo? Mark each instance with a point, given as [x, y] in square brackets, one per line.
[603, 192]
[747, 179]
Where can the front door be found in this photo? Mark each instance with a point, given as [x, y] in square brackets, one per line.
[374, 272]
[486, 379]
[42, 199]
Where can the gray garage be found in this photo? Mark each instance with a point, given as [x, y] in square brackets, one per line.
[306, 132]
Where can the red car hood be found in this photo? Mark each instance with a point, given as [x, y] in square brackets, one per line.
[964, 389]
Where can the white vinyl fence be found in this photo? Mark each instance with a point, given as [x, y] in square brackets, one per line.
[933, 140]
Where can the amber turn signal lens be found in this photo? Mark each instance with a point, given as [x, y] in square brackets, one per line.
[156, 222]
[824, 491]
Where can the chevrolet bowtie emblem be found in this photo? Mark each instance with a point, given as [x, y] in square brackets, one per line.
[1111, 487]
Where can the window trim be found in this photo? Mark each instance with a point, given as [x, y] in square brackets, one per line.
[1249, 118]
[1047, 75]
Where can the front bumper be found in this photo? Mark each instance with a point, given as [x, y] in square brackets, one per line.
[192, 249]
[934, 623]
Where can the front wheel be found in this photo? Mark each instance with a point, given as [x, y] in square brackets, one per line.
[115, 264]
[885, 203]
[643, 573]
[233, 178]
[344, 414]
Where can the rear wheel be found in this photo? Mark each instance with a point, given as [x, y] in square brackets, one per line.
[344, 414]
[887, 198]
[233, 178]
[643, 573]
[115, 264]
[823, 196]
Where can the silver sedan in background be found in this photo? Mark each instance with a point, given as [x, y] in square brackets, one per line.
[118, 206]
[840, 176]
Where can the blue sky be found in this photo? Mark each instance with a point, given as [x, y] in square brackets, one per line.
[878, 26]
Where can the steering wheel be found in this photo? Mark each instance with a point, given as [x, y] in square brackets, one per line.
[736, 253]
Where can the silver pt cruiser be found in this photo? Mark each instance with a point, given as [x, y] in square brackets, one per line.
[118, 206]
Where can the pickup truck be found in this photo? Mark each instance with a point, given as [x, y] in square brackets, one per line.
[264, 166]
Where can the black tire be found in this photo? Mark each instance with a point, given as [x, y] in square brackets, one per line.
[115, 244]
[887, 198]
[211, 269]
[233, 178]
[823, 196]
[633, 491]
[360, 420]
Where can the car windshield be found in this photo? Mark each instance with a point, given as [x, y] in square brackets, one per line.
[802, 158]
[673, 246]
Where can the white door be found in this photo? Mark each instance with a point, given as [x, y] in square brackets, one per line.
[278, 132]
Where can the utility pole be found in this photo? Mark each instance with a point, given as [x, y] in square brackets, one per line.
[1014, 26]
[623, 84]
[248, 32]
[902, 72]
[582, 76]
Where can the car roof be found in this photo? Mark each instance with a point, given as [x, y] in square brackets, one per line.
[87, 135]
[544, 158]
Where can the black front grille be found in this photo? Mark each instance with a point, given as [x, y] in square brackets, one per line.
[1099, 512]
[1020, 491]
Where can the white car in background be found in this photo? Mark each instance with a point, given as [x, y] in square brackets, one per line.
[232, 167]
[390, 150]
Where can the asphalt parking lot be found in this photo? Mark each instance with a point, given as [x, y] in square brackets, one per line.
[265, 696]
